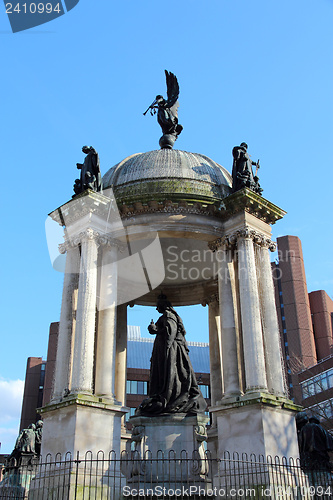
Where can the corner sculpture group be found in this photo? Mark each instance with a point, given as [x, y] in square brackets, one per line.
[28, 442]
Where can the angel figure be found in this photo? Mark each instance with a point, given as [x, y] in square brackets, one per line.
[167, 112]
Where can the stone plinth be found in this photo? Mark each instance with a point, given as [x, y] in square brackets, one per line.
[81, 423]
[177, 433]
[257, 423]
[177, 442]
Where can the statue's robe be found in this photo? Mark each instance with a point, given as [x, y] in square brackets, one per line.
[172, 385]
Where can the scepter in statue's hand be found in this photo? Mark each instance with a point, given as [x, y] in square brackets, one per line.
[258, 166]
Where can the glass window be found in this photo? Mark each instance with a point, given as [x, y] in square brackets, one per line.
[136, 387]
[330, 378]
[322, 383]
[204, 390]
[130, 414]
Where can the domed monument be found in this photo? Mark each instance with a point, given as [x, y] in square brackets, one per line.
[173, 224]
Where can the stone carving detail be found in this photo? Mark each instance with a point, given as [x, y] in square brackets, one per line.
[218, 243]
[138, 433]
[211, 299]
[200, 464]
[246, 233]
[230, 240]
[89, 235]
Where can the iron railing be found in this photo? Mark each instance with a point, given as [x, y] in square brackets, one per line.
[106, 476]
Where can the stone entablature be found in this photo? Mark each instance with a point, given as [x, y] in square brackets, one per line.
[243, 200]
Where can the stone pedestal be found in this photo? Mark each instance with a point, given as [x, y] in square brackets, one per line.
[177, 442]
[259, 424]
[81, 423]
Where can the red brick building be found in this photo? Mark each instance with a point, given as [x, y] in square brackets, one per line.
[306, 331]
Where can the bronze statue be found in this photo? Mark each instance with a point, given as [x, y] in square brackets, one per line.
[314, 444]
[167, 114]
[242, 174]
[172, 384]
[90, 172]
[29, 441]
[25, 443]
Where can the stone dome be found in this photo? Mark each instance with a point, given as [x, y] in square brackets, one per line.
[168, 174]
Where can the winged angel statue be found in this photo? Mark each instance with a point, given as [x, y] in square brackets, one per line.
[167, 112]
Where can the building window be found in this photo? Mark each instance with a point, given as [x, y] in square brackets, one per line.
[137, 387]
[317, 384]
[130, 414]
[204, 390]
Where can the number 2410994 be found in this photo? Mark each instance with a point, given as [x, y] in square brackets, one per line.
[32, 8]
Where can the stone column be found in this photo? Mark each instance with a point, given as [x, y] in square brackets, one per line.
[107, 321]
[275, 375]
[215, 354]
[229, 332]
[83, 359]
[65, 336]
[121, 354]
[254, 356]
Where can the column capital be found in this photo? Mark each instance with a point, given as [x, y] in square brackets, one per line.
[211, 299]
[229, 241]
[109, 241]
[223, 243]
[90, 234]
[258, 238]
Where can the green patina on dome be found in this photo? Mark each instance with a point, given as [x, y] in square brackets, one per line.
[168, 174]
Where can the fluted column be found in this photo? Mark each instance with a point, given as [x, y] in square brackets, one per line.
[275, 375]
[65, 336]
[215, 353]
[229, 332]
[83, 359]
[254, 357]
[107, 321]
[121, 354]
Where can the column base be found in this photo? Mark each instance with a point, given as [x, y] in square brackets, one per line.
[81, 423]
[257, 423]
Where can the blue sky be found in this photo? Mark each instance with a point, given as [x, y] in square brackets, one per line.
[257, 71]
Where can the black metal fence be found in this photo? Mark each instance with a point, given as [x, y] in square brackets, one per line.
[133, 476]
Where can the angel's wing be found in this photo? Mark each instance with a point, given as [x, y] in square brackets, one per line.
[172, 88]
